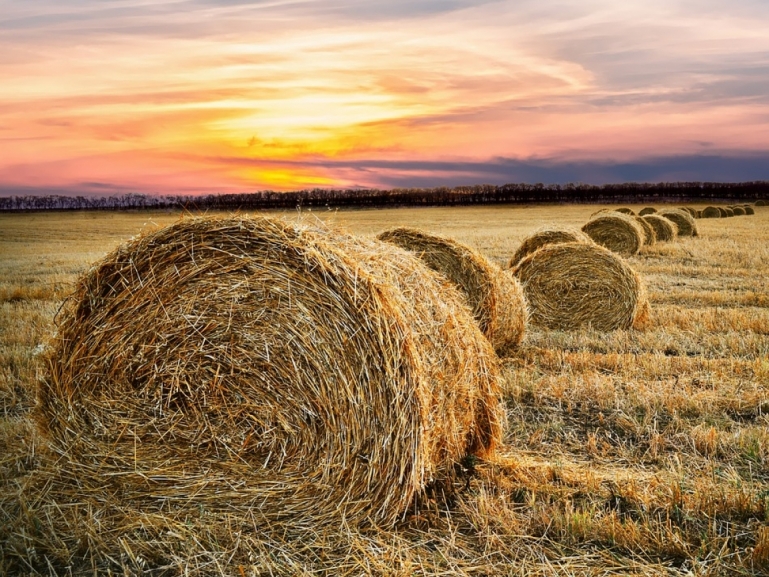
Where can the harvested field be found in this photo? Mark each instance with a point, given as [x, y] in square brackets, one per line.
[625, 453]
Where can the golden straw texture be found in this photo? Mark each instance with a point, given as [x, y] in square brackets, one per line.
[682, 219]
[650, 237]
[711, 212]
[617, 232]
[546, 236]
[647, 210]
[225, 374]
[495, 299]
[575, 285]
[664, 230]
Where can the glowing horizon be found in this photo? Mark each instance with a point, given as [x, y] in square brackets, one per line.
[229, 96]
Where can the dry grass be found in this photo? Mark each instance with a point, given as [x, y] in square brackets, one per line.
[627, 453]
[618, 232]
[494, 297]
[575, 286]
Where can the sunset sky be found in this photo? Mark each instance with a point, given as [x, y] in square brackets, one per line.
[192, 96]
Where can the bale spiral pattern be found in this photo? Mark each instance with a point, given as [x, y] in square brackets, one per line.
[575, 285]
[617, 232]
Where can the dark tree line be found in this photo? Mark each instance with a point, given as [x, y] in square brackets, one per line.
[443, 196]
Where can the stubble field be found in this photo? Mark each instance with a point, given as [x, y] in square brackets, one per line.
[630, 452]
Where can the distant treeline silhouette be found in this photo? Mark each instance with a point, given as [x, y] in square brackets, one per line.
[442, 196]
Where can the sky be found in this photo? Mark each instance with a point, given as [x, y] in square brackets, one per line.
[204, 96]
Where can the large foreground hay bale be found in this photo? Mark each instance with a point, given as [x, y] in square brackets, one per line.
[650, 237]
[684, 221]
[495, 298]
[576, 285]
[711, 212]
[738, 211]
[617, 232]
[664, 229]
[647, 210]
[255, 373]
[546, 236]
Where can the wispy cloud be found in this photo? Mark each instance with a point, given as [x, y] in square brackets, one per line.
[126, 92]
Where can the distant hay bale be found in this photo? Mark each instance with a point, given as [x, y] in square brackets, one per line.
[617, 232]
[684, 221]
[692, 212]
[722, 211]
[231, 373]
[749, 209]
[711, 212]
[650, 238]
[576, 285]
[664, 229]
[495, 298]
[729, 211]
[546, 236]
[738, 211]
[647, 210]
[625, 210]
[760, 202]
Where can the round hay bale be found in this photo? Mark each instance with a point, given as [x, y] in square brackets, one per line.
[625, 210]
[495, 298]
[664, 229]
[711, 212]
[749, 210]
[729, 211]
[546, 236]
[690, 210]
[738, 211]
[760, 202]
[573, 286]
[269, 373]
[722, 212]
[617, 232]
[684, 221]
[647, 210]
[650, 238]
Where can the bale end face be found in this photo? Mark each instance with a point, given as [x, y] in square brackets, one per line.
[544, 237]
[664, 229]
[573, 286]
[683, 220]
[617, 232]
